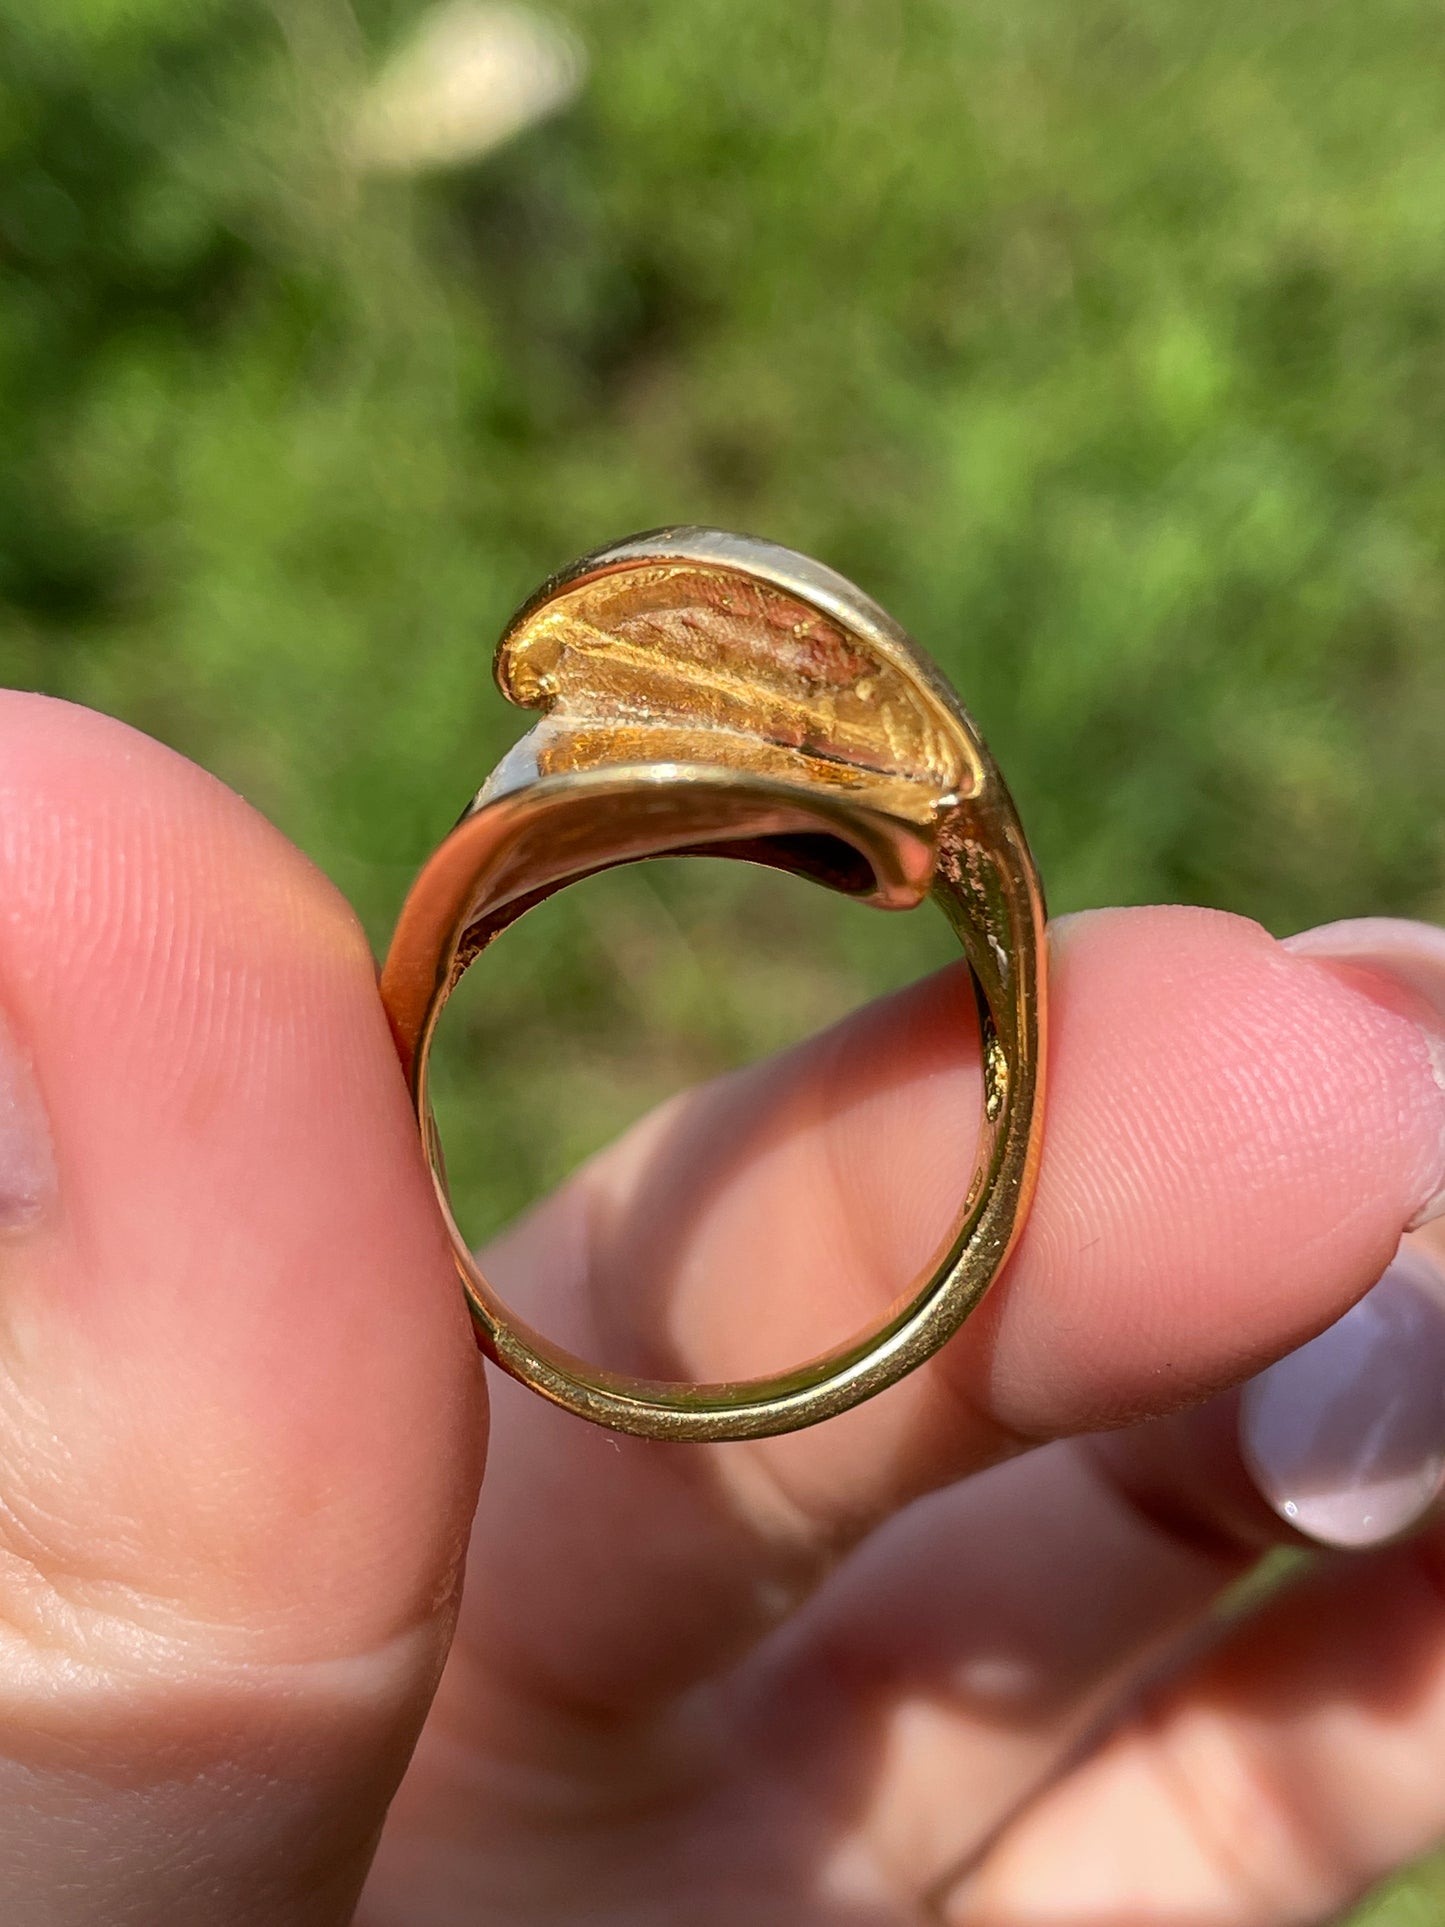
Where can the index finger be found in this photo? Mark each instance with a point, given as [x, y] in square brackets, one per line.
[1236, 1136]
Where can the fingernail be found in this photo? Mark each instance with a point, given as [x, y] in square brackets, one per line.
[27, 1162]
[1346, 1437]
[1413, 954]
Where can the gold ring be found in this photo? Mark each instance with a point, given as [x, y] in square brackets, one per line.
[706, 694]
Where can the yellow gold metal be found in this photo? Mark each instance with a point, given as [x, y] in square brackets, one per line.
[712, 694]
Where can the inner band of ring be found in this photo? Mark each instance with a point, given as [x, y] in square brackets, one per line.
[516, 847]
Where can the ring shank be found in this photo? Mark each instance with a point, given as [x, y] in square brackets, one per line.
[514, 849]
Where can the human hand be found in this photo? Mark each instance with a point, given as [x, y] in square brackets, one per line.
[894, 1669]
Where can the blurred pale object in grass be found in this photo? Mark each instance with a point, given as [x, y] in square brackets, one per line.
[470, 77]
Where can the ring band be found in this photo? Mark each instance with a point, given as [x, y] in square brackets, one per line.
[712, 694]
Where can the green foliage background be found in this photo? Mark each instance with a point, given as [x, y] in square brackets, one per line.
[1101, 340]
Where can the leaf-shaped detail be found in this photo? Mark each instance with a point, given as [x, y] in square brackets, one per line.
[685, 649]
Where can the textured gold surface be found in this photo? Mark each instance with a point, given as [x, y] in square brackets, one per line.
[706, 693]
[630, 666]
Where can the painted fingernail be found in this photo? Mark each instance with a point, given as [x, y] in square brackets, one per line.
[1346, 1437]
[1413, 954]
[27, 1162]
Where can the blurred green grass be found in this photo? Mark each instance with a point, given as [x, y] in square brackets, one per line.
[1101, 340]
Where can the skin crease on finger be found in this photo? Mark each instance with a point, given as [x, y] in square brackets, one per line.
[1272, 1782]
[241, 1416]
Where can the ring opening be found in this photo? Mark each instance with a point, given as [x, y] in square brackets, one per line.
[610, 996]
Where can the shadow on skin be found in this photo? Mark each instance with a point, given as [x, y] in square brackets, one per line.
[180, 1796]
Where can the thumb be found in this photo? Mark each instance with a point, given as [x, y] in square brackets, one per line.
[241, 1418]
